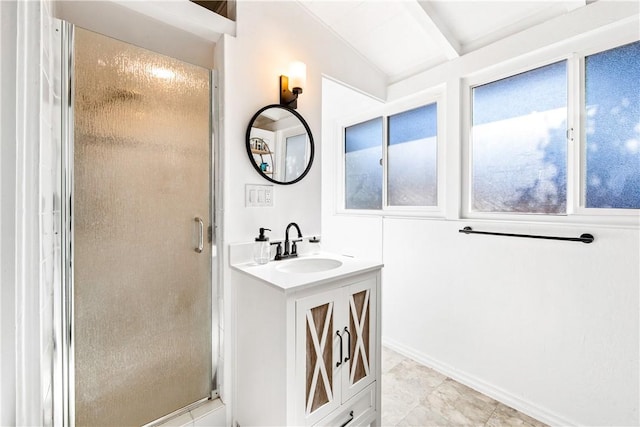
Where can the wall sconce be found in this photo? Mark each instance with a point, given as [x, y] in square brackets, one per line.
[291, 85]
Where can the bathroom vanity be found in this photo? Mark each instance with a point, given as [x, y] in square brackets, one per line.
[308, 342]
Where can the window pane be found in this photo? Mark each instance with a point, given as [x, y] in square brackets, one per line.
[363, 172]
[613, 128]
[412, 158]
[519, 142]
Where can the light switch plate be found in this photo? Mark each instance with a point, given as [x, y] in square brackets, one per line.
[258, 196]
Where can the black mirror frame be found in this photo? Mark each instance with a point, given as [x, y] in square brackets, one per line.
[307, 129]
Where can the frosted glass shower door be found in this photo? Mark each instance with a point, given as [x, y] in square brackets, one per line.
[141, 257]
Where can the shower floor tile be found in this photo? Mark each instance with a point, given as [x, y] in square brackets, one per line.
[414, 395]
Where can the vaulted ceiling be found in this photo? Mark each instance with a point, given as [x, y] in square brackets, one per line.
[405, 37]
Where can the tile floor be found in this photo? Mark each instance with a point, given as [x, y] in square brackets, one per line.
[414, 395]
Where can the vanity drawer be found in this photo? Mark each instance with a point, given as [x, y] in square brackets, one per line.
[360, 410]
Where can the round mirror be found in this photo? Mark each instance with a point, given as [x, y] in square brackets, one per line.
[280, 144]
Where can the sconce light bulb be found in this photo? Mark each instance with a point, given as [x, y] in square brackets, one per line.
[297, 76]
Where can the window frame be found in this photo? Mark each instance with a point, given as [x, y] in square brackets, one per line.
[432, 96]
[576, 211]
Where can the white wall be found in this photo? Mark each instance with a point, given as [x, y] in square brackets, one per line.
[269, 36]
[353, 235]
[550, 328]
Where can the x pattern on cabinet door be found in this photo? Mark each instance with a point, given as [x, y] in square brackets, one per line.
[360, 350]
[319, 346]
[327, 324]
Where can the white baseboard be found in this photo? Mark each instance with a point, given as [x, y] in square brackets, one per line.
[501, 395]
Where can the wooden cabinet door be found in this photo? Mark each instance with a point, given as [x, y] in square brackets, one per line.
[317, 355]
[359, 338]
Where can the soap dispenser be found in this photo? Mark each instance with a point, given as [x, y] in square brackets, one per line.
[261, 248]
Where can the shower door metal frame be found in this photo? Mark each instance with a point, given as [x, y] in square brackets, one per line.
[65, 363]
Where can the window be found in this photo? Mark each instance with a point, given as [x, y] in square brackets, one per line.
[612, 128]
[519, 146]
[519, 151]
[412, 158]
[391, 162]
[295, 156]
[559, 140]
[363, 165]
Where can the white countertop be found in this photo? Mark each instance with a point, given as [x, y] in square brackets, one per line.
[287, 281]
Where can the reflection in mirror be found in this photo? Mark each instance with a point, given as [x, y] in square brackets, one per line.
[280, 144]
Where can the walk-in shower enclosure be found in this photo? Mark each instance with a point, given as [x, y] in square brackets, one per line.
[138, 183]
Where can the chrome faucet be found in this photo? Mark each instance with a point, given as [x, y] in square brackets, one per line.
[294, 249]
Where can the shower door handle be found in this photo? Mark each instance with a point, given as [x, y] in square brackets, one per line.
[200, 234]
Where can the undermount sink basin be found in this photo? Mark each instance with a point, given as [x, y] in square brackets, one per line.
[309, 265]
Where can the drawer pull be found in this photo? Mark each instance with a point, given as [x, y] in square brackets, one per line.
[349, 420]
[340, 359]
[346, 331]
